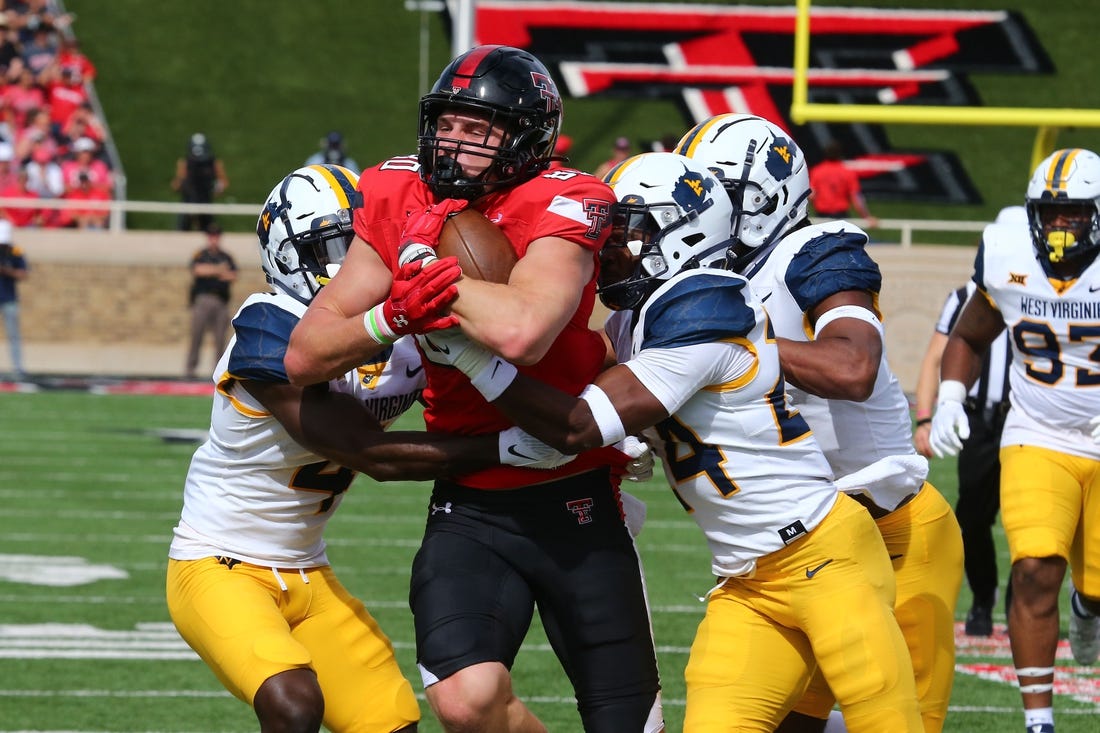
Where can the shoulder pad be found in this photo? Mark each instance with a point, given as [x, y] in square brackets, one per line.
[831, 263]
[700, 307]
[263, 332]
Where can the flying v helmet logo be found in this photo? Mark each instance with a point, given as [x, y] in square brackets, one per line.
[692, 192]
[780, 158]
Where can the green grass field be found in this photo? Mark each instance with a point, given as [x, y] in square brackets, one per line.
[91, 489]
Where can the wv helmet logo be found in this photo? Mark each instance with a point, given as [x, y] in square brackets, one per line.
[692, 192]
[780, 156]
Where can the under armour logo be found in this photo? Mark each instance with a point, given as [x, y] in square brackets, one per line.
[436, 509]
[400, 321]
[582, 508]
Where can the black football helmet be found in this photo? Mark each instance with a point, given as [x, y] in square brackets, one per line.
[514, 91]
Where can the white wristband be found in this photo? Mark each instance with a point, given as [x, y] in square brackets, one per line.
[847, 311]
[374, 321]
[492, 380]
[604, 413]
[952, 390]
[412, 251]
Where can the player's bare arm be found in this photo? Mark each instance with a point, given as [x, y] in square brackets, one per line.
[843, 359]
[330, 338]
[978, 326]
[568, 423]
[337, 427]
[520, 320]
[366, 308]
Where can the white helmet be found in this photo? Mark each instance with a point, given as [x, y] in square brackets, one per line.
[761, 167]
[671, 215]
[1063, 205]
[305, 228]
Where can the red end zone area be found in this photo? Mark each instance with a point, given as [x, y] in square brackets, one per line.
[990, 658]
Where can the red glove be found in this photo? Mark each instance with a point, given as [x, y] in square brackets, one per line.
[418, 303]
[421, 232]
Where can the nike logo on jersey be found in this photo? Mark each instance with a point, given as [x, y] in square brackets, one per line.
[811, 572]
[896, 557]
[766, 296]
[512, 451]
[1094, 288]
[410, 372]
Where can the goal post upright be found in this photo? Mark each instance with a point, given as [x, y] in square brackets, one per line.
[1047, 121]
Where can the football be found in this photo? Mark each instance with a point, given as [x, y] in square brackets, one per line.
[483, 252]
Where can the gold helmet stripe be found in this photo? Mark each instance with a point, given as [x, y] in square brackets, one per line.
[340, 187]
[695, 135]
[1059, 169]
[616, 173]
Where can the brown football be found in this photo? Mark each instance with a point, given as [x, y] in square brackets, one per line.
[483, 252]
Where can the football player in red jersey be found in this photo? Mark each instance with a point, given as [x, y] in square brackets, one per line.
[496, 545]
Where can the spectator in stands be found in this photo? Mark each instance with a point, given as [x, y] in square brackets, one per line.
[45, 176]
[13, 268]
[65, 95]
[10, 49]
[83, 122]
[332, 152]
[24, 96]
[620, 153]
[40, 51]
[29, 216]
[200, 176]
[93, 217]
[69, 56]
[27, 15]
[85, 162]
[212, 270]
[9, 168]
[7, 121]
[39, 131]
[834, 187]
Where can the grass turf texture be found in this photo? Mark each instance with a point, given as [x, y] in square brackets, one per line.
[267, 80]
[87, 476]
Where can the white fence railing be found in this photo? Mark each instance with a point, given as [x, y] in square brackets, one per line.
[118, 210]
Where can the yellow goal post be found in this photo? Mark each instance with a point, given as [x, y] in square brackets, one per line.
[1047, 121]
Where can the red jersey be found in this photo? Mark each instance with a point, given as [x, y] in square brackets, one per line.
[833, 185]
[559, 203]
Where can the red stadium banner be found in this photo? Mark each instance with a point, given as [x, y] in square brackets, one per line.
[711, 59]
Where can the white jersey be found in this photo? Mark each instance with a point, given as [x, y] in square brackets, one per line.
[1054, 329]
[251, 492]
[873, 437]
[739, 459]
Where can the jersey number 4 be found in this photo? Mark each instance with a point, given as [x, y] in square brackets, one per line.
[323, 476]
